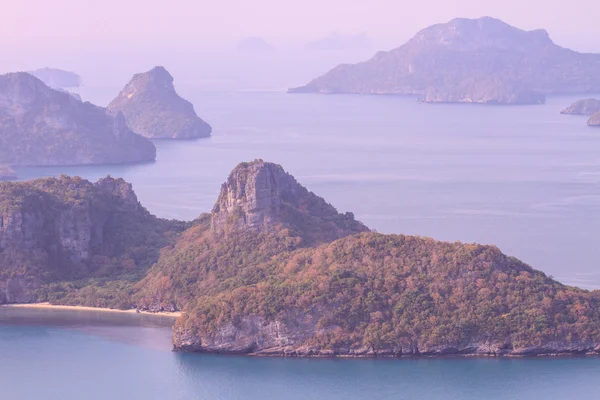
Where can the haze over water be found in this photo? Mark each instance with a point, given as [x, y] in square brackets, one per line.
[524, 178]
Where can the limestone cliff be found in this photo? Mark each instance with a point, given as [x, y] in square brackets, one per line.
[66, 229]
[42, 126]
[583, 107]
[152, 108]
[508, 66]
[262, 196]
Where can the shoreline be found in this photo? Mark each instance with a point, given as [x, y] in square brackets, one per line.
[48, 306]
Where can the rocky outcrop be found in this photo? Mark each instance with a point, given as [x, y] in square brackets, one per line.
[594, 119]
[443, 63]
[152, 108]
[583, 107]
[7, 174]
[262, 196]
[69, 229]
[57, 78]
[42, 126]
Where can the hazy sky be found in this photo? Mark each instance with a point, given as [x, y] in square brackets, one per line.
[43, 21]
[85, 33]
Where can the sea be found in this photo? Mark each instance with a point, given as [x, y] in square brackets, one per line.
[523, 178]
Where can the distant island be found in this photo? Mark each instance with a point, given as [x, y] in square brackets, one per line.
[336, 41]
[57, 78]
[43, 126]
[7, 173]
[152, 108]
[585, 107]
[256, 45]
[275, 270]
[468, 61]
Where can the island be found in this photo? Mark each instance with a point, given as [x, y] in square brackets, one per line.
[275, 270]
[153, 109]
[255, 45]
[594, 119]
[7, 173]
[585, 107]
[42, 126]
[57, 78]
[468, 60]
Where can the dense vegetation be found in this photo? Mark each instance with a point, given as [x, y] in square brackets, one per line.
[69, 241]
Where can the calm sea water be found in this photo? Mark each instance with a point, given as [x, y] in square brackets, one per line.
[64, 355]
[526, 179]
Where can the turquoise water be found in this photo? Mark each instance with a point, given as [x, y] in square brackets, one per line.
[98, 357]
[526, 179]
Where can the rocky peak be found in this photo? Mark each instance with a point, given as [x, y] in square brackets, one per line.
[463, 34]
[119, 188]
[261, 196]
[152, 108]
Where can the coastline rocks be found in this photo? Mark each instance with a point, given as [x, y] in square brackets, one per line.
[42, 126]
[152, 108]
[594, 120]
[468, 60]
[57, 78]
[585, 107]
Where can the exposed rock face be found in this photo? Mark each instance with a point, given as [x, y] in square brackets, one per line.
[152, 108]
[594, 119]
[507, 66]
[68, 229]
[57, 78]
[42, 126]
[583, 107]
[262, 196]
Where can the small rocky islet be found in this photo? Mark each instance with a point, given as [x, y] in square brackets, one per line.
[275, 270]
[586, 107]
[152, 108]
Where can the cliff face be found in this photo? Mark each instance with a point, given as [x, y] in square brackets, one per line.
[68, 229]
[42, 126]
[263, 197]
[152, 108]
[507, 65]
[583, 107]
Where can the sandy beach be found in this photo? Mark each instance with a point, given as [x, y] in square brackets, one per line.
[82, 308]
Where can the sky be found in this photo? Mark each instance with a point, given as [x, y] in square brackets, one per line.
[86, 34]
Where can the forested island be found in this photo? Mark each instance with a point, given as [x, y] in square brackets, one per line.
[275, 270]
[468, 61]
[43, 126]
